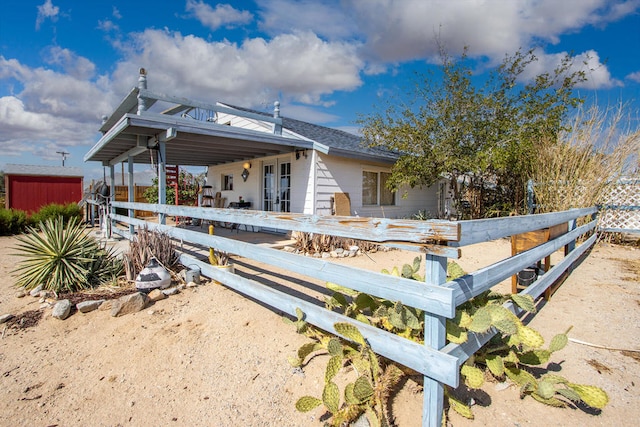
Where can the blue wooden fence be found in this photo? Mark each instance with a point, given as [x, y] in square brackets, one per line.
[438, 240]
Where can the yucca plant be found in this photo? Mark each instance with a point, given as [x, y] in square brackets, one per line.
[63, 259]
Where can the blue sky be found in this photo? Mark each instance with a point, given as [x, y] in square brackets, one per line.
[65, 64]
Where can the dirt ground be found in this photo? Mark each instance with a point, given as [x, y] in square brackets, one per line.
[211, 357]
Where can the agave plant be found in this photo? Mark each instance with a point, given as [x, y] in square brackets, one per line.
[63, 259]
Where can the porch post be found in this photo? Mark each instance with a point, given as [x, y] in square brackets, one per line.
[112, 198]
[162, 179]
[131, 197]
[435, 335]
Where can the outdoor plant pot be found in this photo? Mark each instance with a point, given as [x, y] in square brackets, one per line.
[230, 268]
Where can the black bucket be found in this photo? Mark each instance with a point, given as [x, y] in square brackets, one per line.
[527, 277]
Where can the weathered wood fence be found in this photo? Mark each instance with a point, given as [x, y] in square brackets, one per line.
[438, 240]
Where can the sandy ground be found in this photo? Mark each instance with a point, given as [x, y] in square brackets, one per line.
[211, 357]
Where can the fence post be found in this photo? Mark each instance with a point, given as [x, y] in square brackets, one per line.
[435, 335]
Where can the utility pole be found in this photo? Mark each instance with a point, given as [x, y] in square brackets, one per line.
[64, 156]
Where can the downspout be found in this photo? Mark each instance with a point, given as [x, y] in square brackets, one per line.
[314, 179]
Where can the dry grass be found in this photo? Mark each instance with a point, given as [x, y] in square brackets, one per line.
[582, 166]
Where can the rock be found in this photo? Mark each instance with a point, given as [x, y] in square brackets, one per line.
[339, 251]
[21, 293]
[192, 285]
[333, 254]
[62, 309]
[106, 306]
[156, 295]
[6, 317]
[326, 255]
[170, 291]
[87, 306]
[35, 292]
[129, 304]
[289, 249]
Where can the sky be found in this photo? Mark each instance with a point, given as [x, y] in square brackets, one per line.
[64, 64]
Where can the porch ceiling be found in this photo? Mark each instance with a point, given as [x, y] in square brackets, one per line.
[196, 143]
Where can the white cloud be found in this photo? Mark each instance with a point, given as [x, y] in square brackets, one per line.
[597, 74]
[28, 131]
[116, 13]
[224, 15]
[46, 11]
[300, 67]
[326, 18]
[72, 64]
[635, 77]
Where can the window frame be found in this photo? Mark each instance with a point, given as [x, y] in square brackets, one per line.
[379, 187]
[226, 182]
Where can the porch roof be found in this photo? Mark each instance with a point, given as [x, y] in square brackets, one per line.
[188, 143]
[136, 132]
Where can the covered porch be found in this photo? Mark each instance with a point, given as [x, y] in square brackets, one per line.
[159, 130]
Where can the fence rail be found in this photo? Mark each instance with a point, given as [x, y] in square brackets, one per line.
[438, 362]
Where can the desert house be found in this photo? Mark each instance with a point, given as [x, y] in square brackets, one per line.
[267, 161]
[30, 187]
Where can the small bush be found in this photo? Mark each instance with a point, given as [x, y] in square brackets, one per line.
[12, 221]
[54, 210]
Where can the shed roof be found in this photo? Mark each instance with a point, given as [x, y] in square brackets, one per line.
[39, 170]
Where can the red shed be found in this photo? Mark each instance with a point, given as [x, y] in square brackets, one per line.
[28, 187]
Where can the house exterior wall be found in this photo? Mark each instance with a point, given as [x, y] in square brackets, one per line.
[315, 178]
[341, 175]
[251, 190]
[30, 193]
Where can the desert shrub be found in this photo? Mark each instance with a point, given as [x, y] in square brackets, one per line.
[54, 210]
[12, 221]
[318, 243]
[64, 258]
[144, 246]
[584, 164]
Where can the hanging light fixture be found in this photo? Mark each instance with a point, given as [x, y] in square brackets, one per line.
[245, 173]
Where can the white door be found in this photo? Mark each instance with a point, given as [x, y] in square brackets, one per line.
[276, 186]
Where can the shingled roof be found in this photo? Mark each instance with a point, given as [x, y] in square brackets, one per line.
[337, 141]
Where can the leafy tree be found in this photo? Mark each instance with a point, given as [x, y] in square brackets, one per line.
[474, 135]
[188, 187]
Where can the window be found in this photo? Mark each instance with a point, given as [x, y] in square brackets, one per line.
[227, 182]
[374, 189]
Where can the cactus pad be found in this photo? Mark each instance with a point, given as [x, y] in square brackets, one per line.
[546, 389]
[591, 395]
[349, 331]
[535, 357]
[362, 389]
[473, 377]
[481, 321]
[530, 337]
[506, 326]
[334, 347]
[558, 342]
[333, 367]
[307, 403]
[455, 333]
[495, 365]
[331, 397]
[524, 301]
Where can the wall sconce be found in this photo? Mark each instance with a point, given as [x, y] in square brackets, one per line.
[245, 173]
[303, 152]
